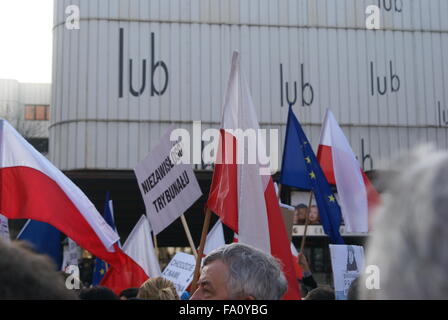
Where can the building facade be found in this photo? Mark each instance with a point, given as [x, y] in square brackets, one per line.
[135, 67]
[27, 107]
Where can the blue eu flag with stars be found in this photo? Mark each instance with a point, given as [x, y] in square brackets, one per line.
[301, 169]
[101, 267]
[45, 239]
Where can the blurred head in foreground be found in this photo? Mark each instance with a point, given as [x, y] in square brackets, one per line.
[157, 289]
[408, 247]
[25, 275]
[129, 293]
[97, 293]
[320, 293]
[240, 272]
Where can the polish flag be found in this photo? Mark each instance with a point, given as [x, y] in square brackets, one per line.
[297, 269]
[140, 248]
[357, 196]
[243, 195]
[31, 187]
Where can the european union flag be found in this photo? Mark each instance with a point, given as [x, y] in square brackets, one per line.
[101, 267]
[301, 169]
[45, 239]
[99, 271]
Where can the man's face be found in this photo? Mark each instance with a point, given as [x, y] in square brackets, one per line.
[212, 284]
[296, 219]
[299, 215]
[314, 214]
[302, 213]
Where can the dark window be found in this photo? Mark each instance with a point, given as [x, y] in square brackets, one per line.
[41, 144]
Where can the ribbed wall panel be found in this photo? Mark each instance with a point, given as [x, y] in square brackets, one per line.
[323, 42]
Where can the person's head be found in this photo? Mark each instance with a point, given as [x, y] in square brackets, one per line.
[157, 289]
[240, 272]
[351, 254]
[97, 293]
[321, 293]
[128, 293]
[27, 275]
[314, 215]
[300, 213]
[351, 260]
[410, 231]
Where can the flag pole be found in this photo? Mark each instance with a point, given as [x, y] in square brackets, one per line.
[187, 232]
[197, 268]
[307, 220]
[154, 239]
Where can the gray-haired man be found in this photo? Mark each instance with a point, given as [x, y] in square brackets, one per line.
[240, 272]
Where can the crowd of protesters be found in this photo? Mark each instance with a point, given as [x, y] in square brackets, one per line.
[401, 243]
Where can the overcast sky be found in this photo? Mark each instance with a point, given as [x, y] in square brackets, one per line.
[26, 40]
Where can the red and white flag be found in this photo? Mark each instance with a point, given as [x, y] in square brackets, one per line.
[244, 198]
[297, 268]
[31, 187]
[357, 195]
[140, 248]
[295, 254]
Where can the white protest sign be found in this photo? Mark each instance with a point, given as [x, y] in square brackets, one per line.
[347, 263]
[168, 189]
[180, 271]
[4, 229]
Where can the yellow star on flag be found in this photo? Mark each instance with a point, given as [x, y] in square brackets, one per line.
[308, 160]
[102, 271]
[331, 198]
[312, 175]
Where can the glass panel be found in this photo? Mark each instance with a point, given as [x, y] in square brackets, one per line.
[40, 112]
[29, 112]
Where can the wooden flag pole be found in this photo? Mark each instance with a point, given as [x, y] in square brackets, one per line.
[154, 238]
[197, 268]
[187, 232]
[307, 220]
